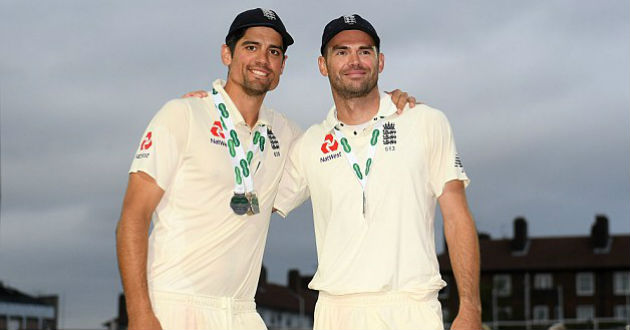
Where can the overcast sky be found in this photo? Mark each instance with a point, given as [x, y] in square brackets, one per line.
[537, 92]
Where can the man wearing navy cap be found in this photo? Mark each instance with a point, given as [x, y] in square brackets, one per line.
[374, 178]
[209, 170]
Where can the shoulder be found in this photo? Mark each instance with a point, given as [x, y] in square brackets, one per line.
[315, 131]
[174, 114]
[425, 113]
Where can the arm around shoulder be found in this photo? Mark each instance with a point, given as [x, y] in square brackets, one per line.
[141, 198]
[293, 188]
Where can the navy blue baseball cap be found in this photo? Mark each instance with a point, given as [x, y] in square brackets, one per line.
[260, 17]
[348, 22]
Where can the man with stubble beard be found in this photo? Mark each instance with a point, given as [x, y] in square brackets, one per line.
[209, 168]
[374, 178]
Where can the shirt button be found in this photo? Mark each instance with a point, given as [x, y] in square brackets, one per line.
[355, 132]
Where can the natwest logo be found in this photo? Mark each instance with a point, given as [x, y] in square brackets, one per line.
[217, 130]
[146, 143]
[330, 144]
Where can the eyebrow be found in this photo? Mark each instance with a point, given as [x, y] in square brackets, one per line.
[348, 47]
[249, 42]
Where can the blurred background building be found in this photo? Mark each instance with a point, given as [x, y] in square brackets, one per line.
[534, 282]
[19, 310]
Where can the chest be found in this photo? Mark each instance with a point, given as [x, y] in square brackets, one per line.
[208, 156]
[398, 159]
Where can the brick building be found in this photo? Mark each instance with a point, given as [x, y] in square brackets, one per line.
[549, 278]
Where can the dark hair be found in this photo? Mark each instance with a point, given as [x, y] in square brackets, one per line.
[233, 39]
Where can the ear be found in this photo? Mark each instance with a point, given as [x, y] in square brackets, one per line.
[381, 62]
[321, 62]
[226, 55]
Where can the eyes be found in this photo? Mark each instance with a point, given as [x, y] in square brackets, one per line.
[272, 51]
[360, 52]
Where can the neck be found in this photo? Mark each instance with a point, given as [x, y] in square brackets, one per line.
[357, 110]
[247, 105]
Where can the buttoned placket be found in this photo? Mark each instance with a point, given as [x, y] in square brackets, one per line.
[360, 141]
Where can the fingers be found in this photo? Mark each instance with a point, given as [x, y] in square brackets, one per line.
[400, 99]
[412, 101]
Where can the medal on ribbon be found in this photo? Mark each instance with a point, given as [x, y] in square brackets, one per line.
[245, 200]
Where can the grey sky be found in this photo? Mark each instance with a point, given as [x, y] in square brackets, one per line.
[537, 93]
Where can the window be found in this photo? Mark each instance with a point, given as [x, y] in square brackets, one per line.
[622, 283]
[502, 285]
[622, 312]
[505, 313]
[584, 284]
[543, 281]
[585, 312]
[541, 313]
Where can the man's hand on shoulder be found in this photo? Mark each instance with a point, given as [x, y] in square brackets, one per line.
[199, 94]
[401, 99]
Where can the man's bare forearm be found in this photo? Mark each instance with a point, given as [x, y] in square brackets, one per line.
[463, 247]
[141, 198]
[131, 243]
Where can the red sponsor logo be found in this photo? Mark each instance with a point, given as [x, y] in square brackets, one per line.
[330, 144]
[217, 130]
[146, 143]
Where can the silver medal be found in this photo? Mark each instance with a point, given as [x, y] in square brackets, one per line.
[239, 204]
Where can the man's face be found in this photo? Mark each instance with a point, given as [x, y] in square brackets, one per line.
[257, 62]
[352, 63]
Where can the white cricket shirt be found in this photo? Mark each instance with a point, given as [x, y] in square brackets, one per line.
[198, 244]
[392, 247]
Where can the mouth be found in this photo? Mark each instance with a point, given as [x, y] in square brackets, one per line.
[259, 72]
[355, 73]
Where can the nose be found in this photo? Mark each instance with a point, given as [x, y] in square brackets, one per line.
[354, 58]
[262, 57]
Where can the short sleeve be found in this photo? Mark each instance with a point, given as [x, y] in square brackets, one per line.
[293, 189]
[163, 143]
[445, 163]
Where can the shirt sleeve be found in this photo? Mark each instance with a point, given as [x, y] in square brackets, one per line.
[445, 163]
[163, 143]
[293, 189]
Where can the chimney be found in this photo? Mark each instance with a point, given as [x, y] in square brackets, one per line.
[599, 233]
[295, 280]
[519, 241]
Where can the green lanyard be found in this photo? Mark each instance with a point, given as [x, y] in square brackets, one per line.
[245, 199]
[352, 159]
